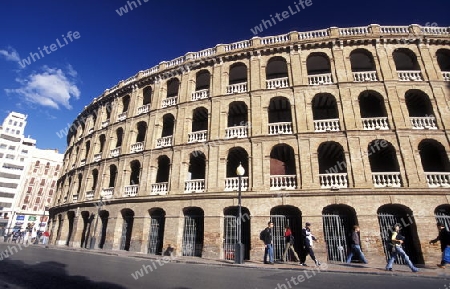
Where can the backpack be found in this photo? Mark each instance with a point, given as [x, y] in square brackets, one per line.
[262, 235]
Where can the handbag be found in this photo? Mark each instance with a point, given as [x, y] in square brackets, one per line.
[447, 255]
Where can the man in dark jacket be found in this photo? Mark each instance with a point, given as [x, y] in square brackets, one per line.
[308, 239]
[268, 251]
[444, 238]
[356, 246]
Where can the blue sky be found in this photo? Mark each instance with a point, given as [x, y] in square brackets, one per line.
[105, 48]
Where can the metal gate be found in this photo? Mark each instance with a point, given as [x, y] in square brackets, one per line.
[126, 233]
[279, 222]
[335, 234]
[156, 235]
[192, 236]
[387, 221]
[444, 219]
[230, 236]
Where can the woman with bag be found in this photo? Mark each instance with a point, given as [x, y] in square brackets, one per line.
[444, 238]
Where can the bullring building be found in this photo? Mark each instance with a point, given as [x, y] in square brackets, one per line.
[335, 127]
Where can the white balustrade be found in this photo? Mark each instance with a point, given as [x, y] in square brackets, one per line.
[280, 128]
[89, 195]
[204, 53]
[82, 162]
[324, 125]
[320, 79]
[426, 122]
[170, 101]
[200, 94]
[275, 39]
[129, 80]
[236, 132]
[151, 71]
[409, 75]
[237, 88]
[108, 192]
[280, 182]
[164, 142]
[160, 188]
[387, 179]
[143, 109]
[197, 136]
[232, 184]
[194, 186]
[74, 198]
[394, 29]
[105, 123]
[131, 191]
[353, 31]
[175, 62]
[446, 75]
[438, 179]
[114, 152]
[237, 45]
[435, 30]
[313, 34]
[122, 116]
[137, 147]
[374, 123]
[277, 83]
[91, 130]
[97, 157]
[333, 181]
[365, 76]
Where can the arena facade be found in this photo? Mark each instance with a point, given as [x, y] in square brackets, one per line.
[335, 127]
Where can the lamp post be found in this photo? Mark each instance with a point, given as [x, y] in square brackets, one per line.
[239, 247]
[46, 207]
[99, 207]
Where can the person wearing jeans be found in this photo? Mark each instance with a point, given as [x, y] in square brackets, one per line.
[268, 250]
[356, 246]
[397, 240]
[289, 244]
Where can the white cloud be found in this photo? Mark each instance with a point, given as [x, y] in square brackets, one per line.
[10, 55]
[51, 88]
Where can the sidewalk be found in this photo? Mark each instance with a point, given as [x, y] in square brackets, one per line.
[375, 269]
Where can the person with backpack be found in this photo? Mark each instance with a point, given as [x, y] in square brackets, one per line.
[397, 240]
[355, 242]
[266, 236]
[444, 238]
[308, 239]
[289, 244]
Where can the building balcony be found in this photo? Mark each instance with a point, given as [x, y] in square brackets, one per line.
[74, 198]
[82, 162]
[375, 123]
[409, 75]
[236, 132]
[283, 182]
[280, 128]
[131, 191]
[232, 184]
[438, 179]
[114, 152]
[200, 94]
[197, 136]
[320, 79]
[160, 188]
[365, 76]
[446, 75]
[170, 101]
[105, 123]
[91, 131]
[97, 157]
[277, 83]
[237, 88]
[90, 195]
[333, 181]
[143, 109]
[122, 116]
[108, 192]
[194, 186]
[427, 122]
[387, 179]
[164, 142]
[137, 147]
[325, 125]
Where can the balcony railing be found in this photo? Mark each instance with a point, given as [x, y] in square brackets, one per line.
[409, 75]
[313, 34]
[144, 109]
[236, 132]
[105, 123]
[277, 83]
[353, 31]
[446, 75]
[232, 184]
[283, 182]
[91, 130]
[170, 101]
[131, 191]
[324, 125]
[83, 162]
[194, 186]
[137, 147]
[122, 116]
[237, 88]
[197, 136]
[200, 94]
[438, 179]
[320, 79]
[426, 122]
[365, 76]
[114, 152]
[387, 179]
[280, 128]
[89, 195]
[108, 192]
[98, 157]
[333, 181]
[375, 123]
[164, 142]
[74, 198]
[160, 188]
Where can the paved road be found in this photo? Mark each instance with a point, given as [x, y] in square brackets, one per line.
[37, 267]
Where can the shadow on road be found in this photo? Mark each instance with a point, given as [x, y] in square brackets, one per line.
[46, 275]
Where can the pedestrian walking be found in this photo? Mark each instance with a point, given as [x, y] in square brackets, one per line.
[33, 236]
[289, 244]
[397, 240]
[444, 238]
[267, 236]
[308, 239]
[45, 237]
[355, 246]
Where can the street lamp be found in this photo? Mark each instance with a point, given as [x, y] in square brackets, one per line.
[239, 247]
[99, 207]
[46, 207]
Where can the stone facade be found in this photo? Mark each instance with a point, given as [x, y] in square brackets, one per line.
[346, 124]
